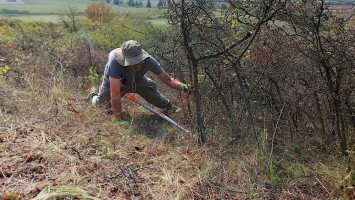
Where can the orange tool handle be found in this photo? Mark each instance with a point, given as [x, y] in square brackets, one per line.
[132, 98]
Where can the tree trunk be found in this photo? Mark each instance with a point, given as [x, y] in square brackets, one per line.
[320, 114]
[340, 125]
[334, 89]
[194, 67]
[245, 97]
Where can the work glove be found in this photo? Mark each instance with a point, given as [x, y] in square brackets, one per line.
[187, 88]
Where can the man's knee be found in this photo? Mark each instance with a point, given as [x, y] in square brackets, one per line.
[147, 83]
[154, 97]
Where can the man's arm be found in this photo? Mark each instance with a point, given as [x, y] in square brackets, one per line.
[170, 81]
[115, 92]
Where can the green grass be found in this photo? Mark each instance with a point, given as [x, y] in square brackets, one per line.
[49, 10]
[143, 13]
[46, 6]
[54, 7]
[42, 18]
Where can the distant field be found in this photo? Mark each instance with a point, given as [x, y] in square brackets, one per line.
[48, 10]
[52, 6]
[44, 6]
[40, 18]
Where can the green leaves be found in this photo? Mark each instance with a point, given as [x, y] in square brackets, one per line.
[124, 123]
[6, 32]
[272, 174]
[4, 69]
[94, 77]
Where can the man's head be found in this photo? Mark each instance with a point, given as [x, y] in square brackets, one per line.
[131, 54]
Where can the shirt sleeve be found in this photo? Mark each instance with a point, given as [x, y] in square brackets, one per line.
[114, 68]
[154, 66]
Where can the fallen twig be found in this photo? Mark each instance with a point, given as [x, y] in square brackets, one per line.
[77, 152]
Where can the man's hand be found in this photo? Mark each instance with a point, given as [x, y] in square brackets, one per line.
[125, 116]
[187, 88]
[122, 116]
[124, 119]
[174, 83]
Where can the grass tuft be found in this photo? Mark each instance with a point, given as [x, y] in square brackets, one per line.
[63, 192]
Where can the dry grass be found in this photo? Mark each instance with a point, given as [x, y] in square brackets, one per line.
[53, 137]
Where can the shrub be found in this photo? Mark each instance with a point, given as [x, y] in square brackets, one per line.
[112, 35]
[99, 13]
[6, 32]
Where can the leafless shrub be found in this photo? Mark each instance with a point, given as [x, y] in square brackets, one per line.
[69, 17]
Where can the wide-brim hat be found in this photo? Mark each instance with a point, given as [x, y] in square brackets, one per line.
[130, 53]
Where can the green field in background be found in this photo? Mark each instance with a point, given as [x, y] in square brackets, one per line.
[45, 6]
[48, 10]
[53, 6]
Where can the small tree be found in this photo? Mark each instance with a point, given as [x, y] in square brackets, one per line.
[69, 17]
[116, 2]
[149, 4]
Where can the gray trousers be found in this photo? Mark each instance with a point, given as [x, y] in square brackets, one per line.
[146, 88]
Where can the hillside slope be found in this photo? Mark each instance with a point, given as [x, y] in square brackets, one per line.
[57, 139]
